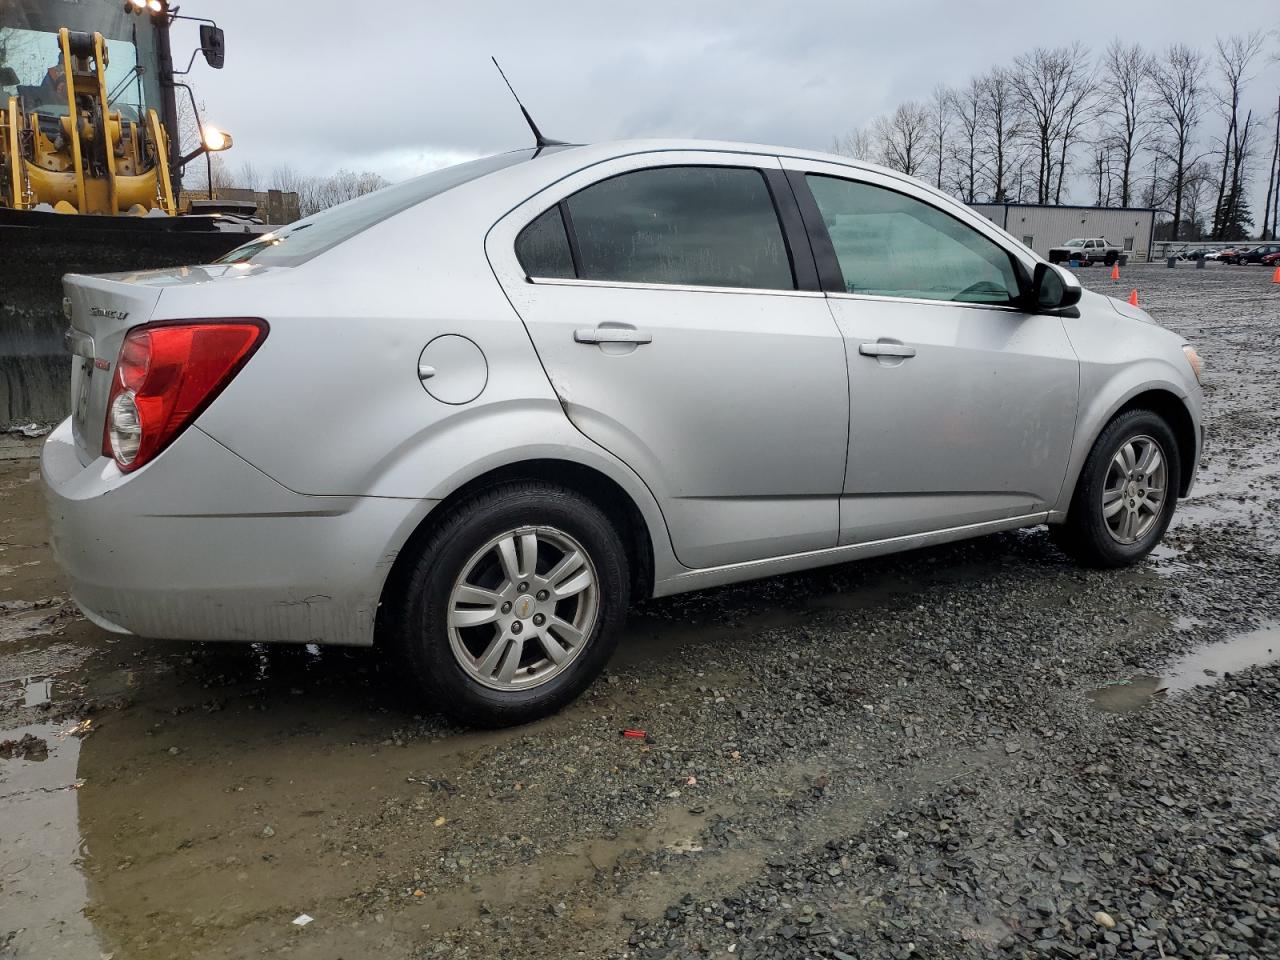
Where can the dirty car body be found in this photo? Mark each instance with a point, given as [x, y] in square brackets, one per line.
[694, 363]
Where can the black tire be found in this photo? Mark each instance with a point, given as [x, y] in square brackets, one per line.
[1111, 259]
[1085, 535]
[418, 622]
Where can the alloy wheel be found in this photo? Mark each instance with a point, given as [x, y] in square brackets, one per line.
[523, 608]
[1134, 492]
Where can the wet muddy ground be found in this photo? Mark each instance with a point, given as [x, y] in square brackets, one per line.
[964, 751]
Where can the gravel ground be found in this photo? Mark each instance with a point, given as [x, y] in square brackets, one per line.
[979, 750]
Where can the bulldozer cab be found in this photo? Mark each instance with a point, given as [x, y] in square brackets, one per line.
[81, 107]
[29, 48]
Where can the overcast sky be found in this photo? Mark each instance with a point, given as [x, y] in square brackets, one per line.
[401, 88]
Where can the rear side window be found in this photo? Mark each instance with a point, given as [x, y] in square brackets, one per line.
[697, 226]
[543, 247]
[892, 245]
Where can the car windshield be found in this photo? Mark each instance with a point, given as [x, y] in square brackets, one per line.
[301, 241]
[29, 46]
[1075, 243]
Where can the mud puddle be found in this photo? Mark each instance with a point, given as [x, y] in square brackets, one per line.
[42, 891]
[1200, 667]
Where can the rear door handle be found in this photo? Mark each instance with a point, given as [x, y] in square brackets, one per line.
[886, 350]
[611, 335]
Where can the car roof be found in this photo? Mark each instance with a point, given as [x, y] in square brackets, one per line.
[578, 156]
[617, 148]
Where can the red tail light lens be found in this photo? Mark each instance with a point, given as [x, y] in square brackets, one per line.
[166, 375]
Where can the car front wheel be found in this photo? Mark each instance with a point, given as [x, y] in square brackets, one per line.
[1125, 496]
[513, 604]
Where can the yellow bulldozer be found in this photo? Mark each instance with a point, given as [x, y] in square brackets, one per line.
[91, 172]
[63, 146]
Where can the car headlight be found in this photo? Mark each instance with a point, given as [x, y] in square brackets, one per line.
[1193, 358]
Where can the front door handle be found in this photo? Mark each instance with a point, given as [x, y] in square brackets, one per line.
[886, 350]
[611, 335]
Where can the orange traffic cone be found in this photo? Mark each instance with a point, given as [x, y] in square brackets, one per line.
[1115, 271]
[1275, 278]
[1133, 298]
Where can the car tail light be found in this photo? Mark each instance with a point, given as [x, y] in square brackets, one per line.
[166, 375]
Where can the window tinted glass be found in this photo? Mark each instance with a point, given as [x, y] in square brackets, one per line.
[543, 247]
[892, 245]
[704, 226]
[299, 242]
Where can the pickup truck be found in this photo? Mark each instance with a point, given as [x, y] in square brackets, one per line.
[1086, 251]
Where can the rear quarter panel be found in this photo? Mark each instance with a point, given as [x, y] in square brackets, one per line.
[332, 405]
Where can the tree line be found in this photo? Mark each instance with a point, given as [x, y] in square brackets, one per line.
[1164, 129]
[315, 192]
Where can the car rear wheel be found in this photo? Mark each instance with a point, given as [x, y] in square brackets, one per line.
[1125, 496]
[513, 603]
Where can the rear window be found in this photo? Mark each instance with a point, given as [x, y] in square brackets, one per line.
[299, 242]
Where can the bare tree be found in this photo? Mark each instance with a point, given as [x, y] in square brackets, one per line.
[1231, 215]
[1177, 81]
[1196, 198]
[1269, 225]
[1100, 171]
[1235, 56]
[858, 144]
[249, 177]
[1124, 82]
[1003, 131]
[940, 120]
[902, 138]
[1079, 110]
[967, 104]
[1053, 88]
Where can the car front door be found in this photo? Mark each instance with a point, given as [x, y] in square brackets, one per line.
[661, 294]
[962, 403]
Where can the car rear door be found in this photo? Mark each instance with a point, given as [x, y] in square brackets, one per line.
[963, 405]
[681, 326]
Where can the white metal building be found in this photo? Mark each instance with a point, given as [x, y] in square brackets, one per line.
[1043, 226]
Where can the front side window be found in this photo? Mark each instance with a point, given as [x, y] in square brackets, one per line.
[892, 245]
[696, 226]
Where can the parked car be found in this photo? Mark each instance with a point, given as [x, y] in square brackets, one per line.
[1086, 251]
[1254, 254]
[1272, 259]
[474, 415]
[1198, 254]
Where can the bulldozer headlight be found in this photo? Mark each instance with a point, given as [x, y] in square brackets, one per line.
[215, 140]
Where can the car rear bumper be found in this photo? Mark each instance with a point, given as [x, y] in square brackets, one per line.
[201, 545]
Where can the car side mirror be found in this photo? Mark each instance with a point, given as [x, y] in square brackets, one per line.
[1054, 288]
[213, 44]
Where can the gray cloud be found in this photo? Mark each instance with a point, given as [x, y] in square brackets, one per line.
[403, 87]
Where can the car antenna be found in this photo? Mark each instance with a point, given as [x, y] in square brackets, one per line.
[538, 138]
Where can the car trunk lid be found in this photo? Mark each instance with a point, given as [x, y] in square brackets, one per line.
[102, 310]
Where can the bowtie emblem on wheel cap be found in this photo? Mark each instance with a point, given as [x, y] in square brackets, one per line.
[523, 607]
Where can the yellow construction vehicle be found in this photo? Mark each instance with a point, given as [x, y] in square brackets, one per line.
[62, 144]
[90, 172]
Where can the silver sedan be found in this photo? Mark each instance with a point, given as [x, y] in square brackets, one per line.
[473, 415]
